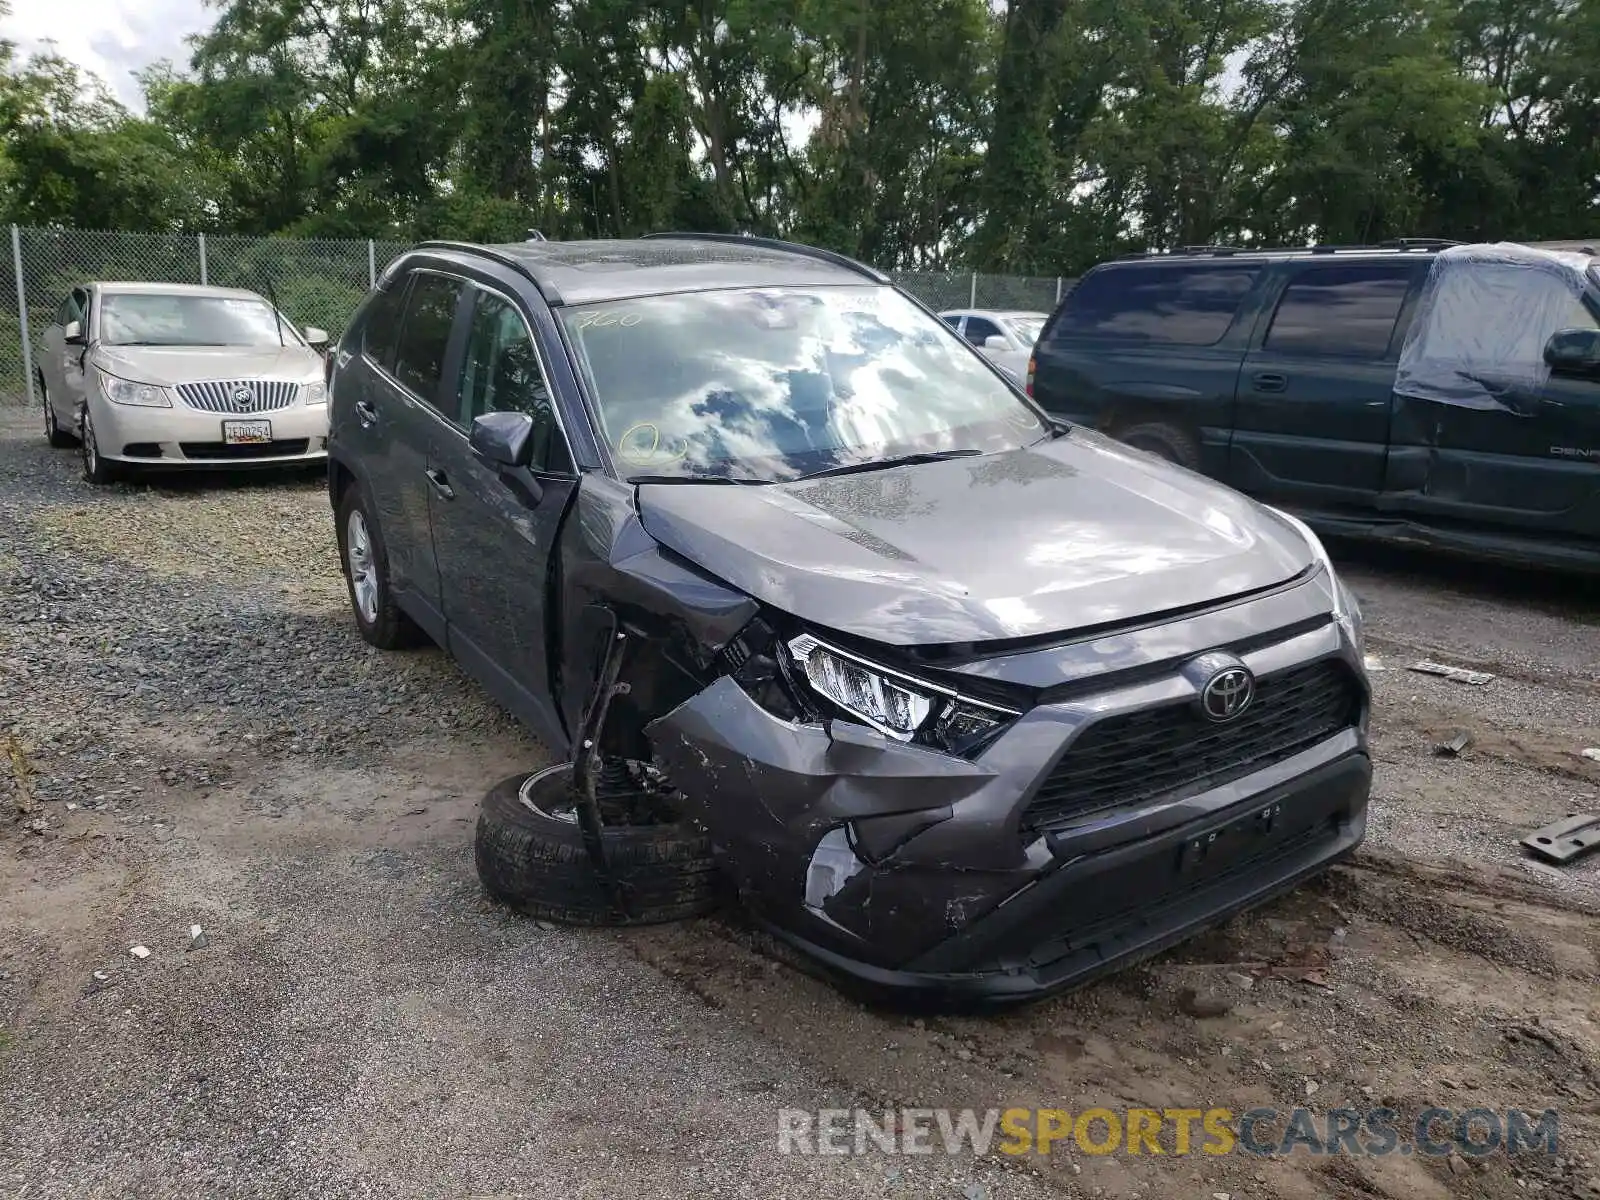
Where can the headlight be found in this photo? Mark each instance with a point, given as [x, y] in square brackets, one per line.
[315, 393]
[125, 391]
[1346, 610]
[884, 704]
[891, 703]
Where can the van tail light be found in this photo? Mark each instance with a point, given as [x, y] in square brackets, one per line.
[1033, 365]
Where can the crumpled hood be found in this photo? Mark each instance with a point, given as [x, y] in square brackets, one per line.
[191, 364]
[1075, 532]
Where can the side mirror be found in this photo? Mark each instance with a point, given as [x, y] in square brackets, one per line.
[996, 341]
[73, 334]
[1573, 352]
[317, 339]
[503, 438]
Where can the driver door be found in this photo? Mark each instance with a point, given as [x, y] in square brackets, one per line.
[62, 364]
[493, 535]
[1530, 464]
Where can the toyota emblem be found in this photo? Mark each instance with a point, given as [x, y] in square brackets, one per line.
[243, 398]
[1227, 694]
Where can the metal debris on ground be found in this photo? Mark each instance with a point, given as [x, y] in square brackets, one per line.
[1372, 663]
[1593, 752]
[1454, 674]
[1566, 839]
[1454, 745]
[139, 951]
[197, 938]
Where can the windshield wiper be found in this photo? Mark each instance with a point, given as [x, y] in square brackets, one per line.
[696, 479]
[880, 464]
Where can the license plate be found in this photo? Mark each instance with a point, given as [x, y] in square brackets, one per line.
[246, 433]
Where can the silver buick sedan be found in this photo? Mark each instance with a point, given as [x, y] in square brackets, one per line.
[173, 375]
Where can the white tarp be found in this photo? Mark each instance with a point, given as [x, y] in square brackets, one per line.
[1486, 311]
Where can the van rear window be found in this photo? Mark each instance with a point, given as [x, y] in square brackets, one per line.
[1180, 305]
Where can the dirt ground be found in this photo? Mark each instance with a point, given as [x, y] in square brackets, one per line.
[201, 739]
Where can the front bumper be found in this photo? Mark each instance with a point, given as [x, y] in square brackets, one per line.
[188, 437]
[912, 872]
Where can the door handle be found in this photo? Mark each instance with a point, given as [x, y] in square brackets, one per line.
[441, 484]
[366, 413]
[1270, 381]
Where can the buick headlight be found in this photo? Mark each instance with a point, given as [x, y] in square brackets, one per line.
[140, 395]
[892, 704]
[314, 393]
[1346, 610]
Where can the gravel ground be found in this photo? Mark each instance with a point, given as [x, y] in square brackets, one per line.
[210, 743]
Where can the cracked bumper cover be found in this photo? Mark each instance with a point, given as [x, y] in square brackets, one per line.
[937, 891]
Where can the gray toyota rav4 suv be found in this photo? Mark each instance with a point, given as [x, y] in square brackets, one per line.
[962, 702]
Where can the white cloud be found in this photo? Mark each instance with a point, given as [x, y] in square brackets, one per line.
[111, 38]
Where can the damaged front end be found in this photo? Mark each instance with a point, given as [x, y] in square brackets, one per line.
[978, 826]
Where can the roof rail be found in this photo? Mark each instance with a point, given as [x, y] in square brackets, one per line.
[745, 239]
[1195, 251]
[547, 290]
[1418, 244]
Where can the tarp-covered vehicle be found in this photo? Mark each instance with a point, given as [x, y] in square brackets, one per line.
[809, 597]
[1418, 392]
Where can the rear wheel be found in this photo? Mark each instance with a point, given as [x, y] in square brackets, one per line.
[531, 855]
[366, 571]
[1164, 440]
[58, 437]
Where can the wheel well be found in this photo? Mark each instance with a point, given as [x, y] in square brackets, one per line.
[340, 477]
[1128, 416]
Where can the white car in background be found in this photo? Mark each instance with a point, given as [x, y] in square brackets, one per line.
[1005, 336]
[173, 375]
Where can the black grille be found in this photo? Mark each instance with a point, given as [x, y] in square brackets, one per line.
[222, 450]
[1174, 751]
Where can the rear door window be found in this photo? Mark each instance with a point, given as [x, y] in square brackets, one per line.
[425, 333]
[1343, 311]
[380, 331]
[1192, 304]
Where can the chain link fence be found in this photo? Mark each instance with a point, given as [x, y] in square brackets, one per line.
[316, 281]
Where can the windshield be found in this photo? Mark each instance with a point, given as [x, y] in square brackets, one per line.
[775, 384]
[154, 319]
[1028, 328]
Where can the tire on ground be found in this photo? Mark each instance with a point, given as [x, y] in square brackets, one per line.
[392, 629]
[538, 864]
[1163, 439]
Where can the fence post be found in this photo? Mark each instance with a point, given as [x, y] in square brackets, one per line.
[22, 315]
[372, 265]
[1058, 289]
[203, 279]
[972, 292]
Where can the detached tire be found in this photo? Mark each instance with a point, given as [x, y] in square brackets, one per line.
[1171, 442]
[537, 863]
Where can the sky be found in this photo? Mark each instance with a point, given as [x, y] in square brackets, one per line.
[112, 38]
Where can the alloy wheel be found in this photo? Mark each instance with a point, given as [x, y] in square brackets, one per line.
[91, 453]
[363, 570]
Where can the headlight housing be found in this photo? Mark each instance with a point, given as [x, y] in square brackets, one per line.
[902, 708]
[1346, 609]
[137, 395]
[314, 393]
